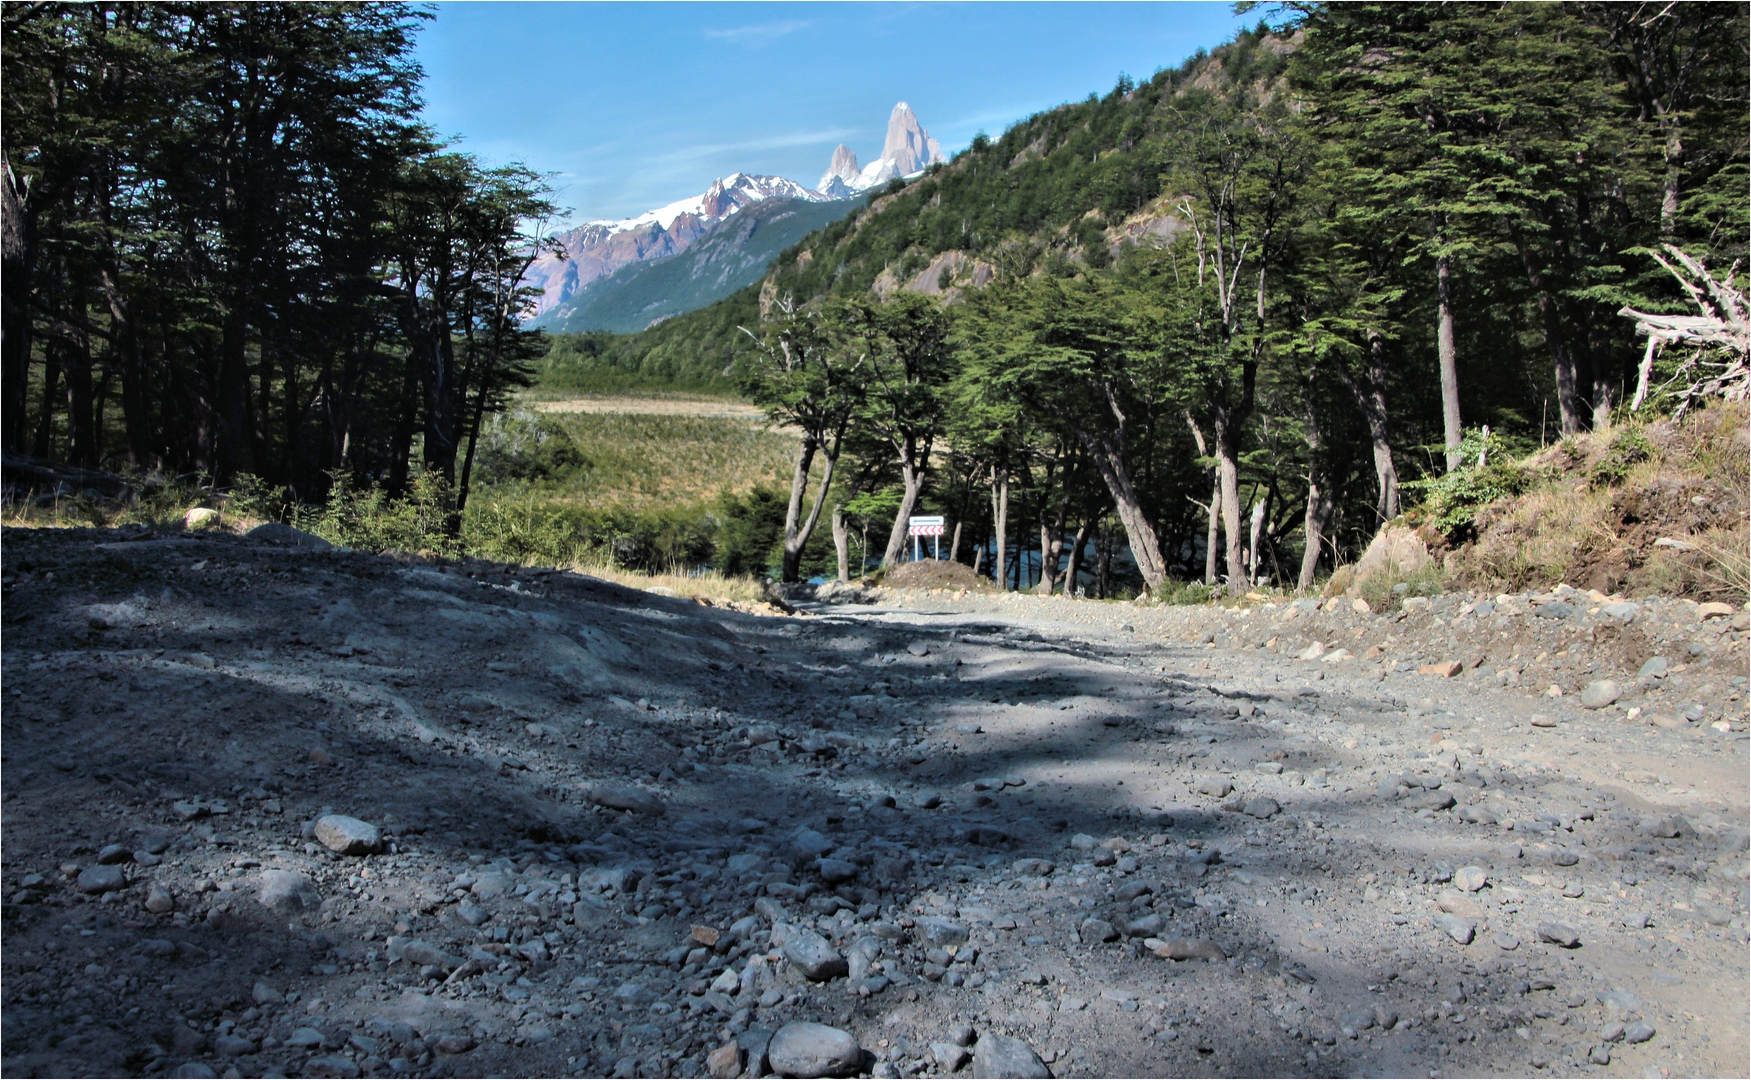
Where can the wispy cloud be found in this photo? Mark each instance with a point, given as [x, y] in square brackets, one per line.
[759, 34]
[769, 142]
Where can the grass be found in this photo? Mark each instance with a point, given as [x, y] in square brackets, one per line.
[1598, 502]
[639, 462]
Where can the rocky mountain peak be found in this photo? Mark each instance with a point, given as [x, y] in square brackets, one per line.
[908, 146]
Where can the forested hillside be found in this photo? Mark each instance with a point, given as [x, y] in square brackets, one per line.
[1251, 308]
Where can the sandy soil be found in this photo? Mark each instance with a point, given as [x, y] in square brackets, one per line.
[609, 833]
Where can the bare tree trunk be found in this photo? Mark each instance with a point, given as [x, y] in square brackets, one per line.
[842, 542]
[1051, 543]
[1215, 507]
[797, 533]
[1568, 396]
[911, 481]
[15, 272]
[1145, 546]
[1372, 401]
[1257, 527]
[1000, 520]
[1104, 546]
[1319, 508]
[1449, 357]
[1074, 567]
[1228, 475]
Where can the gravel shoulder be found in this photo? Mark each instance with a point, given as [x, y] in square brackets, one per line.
[595, 831]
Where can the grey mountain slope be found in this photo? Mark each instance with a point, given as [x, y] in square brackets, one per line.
[734, 254]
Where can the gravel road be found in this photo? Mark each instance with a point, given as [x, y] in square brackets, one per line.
[279, 811]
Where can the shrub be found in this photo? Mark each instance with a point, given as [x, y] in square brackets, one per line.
[1451, 501]
[1628, 448]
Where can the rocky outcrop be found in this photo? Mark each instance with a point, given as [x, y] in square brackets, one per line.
[841, 173]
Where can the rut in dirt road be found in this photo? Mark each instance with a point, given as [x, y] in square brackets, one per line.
[610, 833]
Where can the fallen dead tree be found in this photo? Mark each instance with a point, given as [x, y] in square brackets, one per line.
[1717, 361]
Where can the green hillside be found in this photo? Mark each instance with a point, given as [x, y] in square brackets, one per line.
[730, 257]
[1046, 190]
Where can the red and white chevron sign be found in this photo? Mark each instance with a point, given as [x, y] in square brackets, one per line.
[924, 526]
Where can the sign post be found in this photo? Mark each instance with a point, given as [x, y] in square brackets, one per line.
[925, 525]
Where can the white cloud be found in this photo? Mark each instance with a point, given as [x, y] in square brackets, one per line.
[760, 34]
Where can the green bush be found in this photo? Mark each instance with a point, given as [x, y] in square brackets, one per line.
[1451, 501]
[1185, 593]
[1628, 448]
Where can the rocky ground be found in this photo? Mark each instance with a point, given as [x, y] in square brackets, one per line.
[271, 810]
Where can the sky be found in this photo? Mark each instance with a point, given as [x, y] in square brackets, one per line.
[635, 105]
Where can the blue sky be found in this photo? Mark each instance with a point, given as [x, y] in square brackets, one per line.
[634, 105]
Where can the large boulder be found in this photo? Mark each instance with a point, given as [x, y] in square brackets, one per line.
[1006, 1056]
[287, 892]
[275, 532]
[1394, 548]
[348, 835]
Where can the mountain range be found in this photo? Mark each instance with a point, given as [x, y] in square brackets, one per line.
[609, 279]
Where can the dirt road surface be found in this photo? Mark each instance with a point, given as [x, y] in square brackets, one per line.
[271, 810]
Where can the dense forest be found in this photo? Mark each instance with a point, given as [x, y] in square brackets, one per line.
[230, 249]
[1218, 324]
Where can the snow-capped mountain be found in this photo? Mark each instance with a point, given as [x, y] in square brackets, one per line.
[596, 249]
[907, 151]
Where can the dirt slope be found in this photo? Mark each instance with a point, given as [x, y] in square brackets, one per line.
[959, 800]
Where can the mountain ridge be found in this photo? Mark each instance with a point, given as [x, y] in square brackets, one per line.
[593, 256]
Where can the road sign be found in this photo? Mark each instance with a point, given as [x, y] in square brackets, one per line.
[924, 525]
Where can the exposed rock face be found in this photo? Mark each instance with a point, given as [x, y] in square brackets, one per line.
[909, 148]
[841, 173]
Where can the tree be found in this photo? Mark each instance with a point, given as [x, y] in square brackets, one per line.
[809, 373]
[907, 341]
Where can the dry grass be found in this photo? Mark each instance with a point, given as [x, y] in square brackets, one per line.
[709, 586]
[1691, 493]
[643, 462]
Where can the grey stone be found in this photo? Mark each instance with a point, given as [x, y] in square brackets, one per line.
[1457, 927]
[625, 797]
[1471, 878]
[233, 1046]
[1599, 1055]
[1147, 926]
[1006, 1056]
[1559, 934]
[934, 930]
[813, 955]
[949, 1057]
[1639, 1032]
[114, 853]
[472, 914]
[264, 994]
[807, 1049]
[811, 844]
[159, 901]
[1619, 1001]
[1098, 930]
[348, 835]
[1599, 693]
[305, 1038]
[1654, 667]
[835, 871]
[963, 1034]
[1359, 1020]
[1623, 611]
[420, 954]
[101, 879]
[332, 1065]
[1261, 806]
[918, 648]
[1556, 609]
[1216, 789]
[275, 532]
[287, 892]
[1564, 857]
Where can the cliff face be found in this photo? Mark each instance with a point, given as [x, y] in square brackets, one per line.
[906, 150]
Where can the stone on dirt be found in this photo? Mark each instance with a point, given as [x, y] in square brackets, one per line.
[348, 835]
[287, 892]
[1006, 1056]
[813, 955]
[101, 879]
[275, 532]
[625, 797]
[805, 1049]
